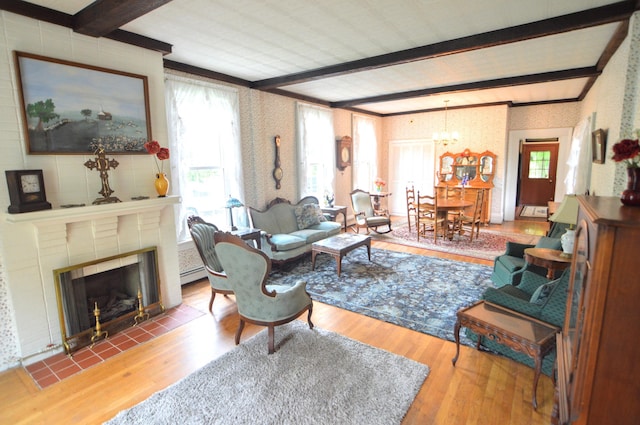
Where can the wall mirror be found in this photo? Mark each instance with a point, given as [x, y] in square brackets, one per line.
[486, 168]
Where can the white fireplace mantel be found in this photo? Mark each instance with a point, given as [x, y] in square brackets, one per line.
[84, 213]
[43, 241]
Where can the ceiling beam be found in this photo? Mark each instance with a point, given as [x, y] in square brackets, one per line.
[588, 18]
[103, 17]
[51, 16]
[544, 77]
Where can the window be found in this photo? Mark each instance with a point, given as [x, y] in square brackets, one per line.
[204, 138]
[539, 164]
[317, 147]
[365, 153]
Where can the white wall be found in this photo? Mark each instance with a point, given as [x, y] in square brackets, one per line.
[67, 180]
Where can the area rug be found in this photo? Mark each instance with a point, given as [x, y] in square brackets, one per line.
[534, 212]
[314, 377]
[413, 291]
[487, 246]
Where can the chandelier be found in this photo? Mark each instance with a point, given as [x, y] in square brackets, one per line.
[445, 137]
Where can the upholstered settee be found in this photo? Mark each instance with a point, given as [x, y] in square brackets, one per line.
[288, 230]
[535, 296]
[509, 267]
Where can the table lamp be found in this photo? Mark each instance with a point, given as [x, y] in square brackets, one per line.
[567, 213]
[231, 204]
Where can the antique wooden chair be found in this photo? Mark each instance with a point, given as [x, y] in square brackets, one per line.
[202, 235]
[454, 193]
[365, 215]
[411, 206]
[258, 302]
[427, 216]
[472, 221]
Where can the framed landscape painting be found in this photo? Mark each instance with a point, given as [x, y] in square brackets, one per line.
[71, 108]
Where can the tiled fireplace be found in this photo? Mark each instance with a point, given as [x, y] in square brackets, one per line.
[44, 241]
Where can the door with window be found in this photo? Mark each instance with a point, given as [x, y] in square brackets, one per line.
[538, 165]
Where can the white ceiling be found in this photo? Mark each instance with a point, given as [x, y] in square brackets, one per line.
[257, 40]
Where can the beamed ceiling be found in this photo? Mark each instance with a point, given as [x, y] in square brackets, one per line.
[385, 57]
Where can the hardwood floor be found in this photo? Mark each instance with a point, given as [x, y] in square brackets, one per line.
[482, 389]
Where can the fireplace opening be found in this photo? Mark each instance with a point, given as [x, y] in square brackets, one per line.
[115, 292]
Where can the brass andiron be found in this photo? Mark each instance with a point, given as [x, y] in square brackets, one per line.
[98, 333]
[142, 315]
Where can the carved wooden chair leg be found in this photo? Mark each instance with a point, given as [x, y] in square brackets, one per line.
[309, 317]
[213, 297]
[239, 331]
[271, 338]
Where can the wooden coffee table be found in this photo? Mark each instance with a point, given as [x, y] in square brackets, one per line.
[550, 259]
[338, 246]
[517, 331]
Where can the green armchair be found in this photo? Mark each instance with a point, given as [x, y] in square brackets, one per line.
[509, 267]
[537, 297]
[202, 235]
[258, 302]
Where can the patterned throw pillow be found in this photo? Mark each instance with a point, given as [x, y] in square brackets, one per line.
[308, 215]
[542, 293]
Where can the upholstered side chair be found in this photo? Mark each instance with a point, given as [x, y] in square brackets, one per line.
[365, 215]
[202, 235]
[258, 302]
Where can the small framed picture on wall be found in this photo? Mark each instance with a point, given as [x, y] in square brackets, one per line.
[598, 142]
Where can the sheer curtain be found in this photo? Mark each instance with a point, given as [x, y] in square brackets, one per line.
[579, 162]
[365, 153]
[204, 137]
[316, 150]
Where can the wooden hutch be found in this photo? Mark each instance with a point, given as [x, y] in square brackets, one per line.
[598, 349]
[474, 169]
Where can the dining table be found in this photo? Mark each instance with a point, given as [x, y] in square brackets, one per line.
[445, 206]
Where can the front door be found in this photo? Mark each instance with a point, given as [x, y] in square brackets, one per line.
[538, 164]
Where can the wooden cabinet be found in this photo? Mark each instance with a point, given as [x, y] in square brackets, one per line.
[599, 348]
[473, 170]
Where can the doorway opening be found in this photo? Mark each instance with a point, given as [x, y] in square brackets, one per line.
[537, 169]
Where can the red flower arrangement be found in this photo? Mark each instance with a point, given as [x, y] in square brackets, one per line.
[161, 153]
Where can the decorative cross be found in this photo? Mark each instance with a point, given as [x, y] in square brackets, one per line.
[102, 164]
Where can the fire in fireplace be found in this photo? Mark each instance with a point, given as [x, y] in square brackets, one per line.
[112, 290]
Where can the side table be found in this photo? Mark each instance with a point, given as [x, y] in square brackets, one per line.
[550, 259]
[517, 331]
[333, 212]
[247, 234]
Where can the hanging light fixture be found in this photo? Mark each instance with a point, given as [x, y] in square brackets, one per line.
[445, 137]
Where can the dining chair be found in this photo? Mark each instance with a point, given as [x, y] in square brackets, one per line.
[259, 302]
[427, 216]
[454, 193]
[472, 221]
[202, 235]
[411, 206]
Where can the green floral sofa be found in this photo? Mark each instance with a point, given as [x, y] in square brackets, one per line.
[288, 230]
[537, 297]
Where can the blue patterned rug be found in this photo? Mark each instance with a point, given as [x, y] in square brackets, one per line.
[413, 291]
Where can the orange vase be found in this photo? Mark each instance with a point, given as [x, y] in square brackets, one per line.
[162, 185]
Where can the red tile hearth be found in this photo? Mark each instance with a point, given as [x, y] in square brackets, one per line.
[60, 366]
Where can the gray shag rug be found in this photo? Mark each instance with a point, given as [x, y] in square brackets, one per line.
[314, 377]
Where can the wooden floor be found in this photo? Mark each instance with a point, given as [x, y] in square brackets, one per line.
[482, 388]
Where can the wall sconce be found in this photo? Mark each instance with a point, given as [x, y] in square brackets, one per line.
[231, 204]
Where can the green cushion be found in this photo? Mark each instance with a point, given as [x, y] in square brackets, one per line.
[542, 293]
[551, 243]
